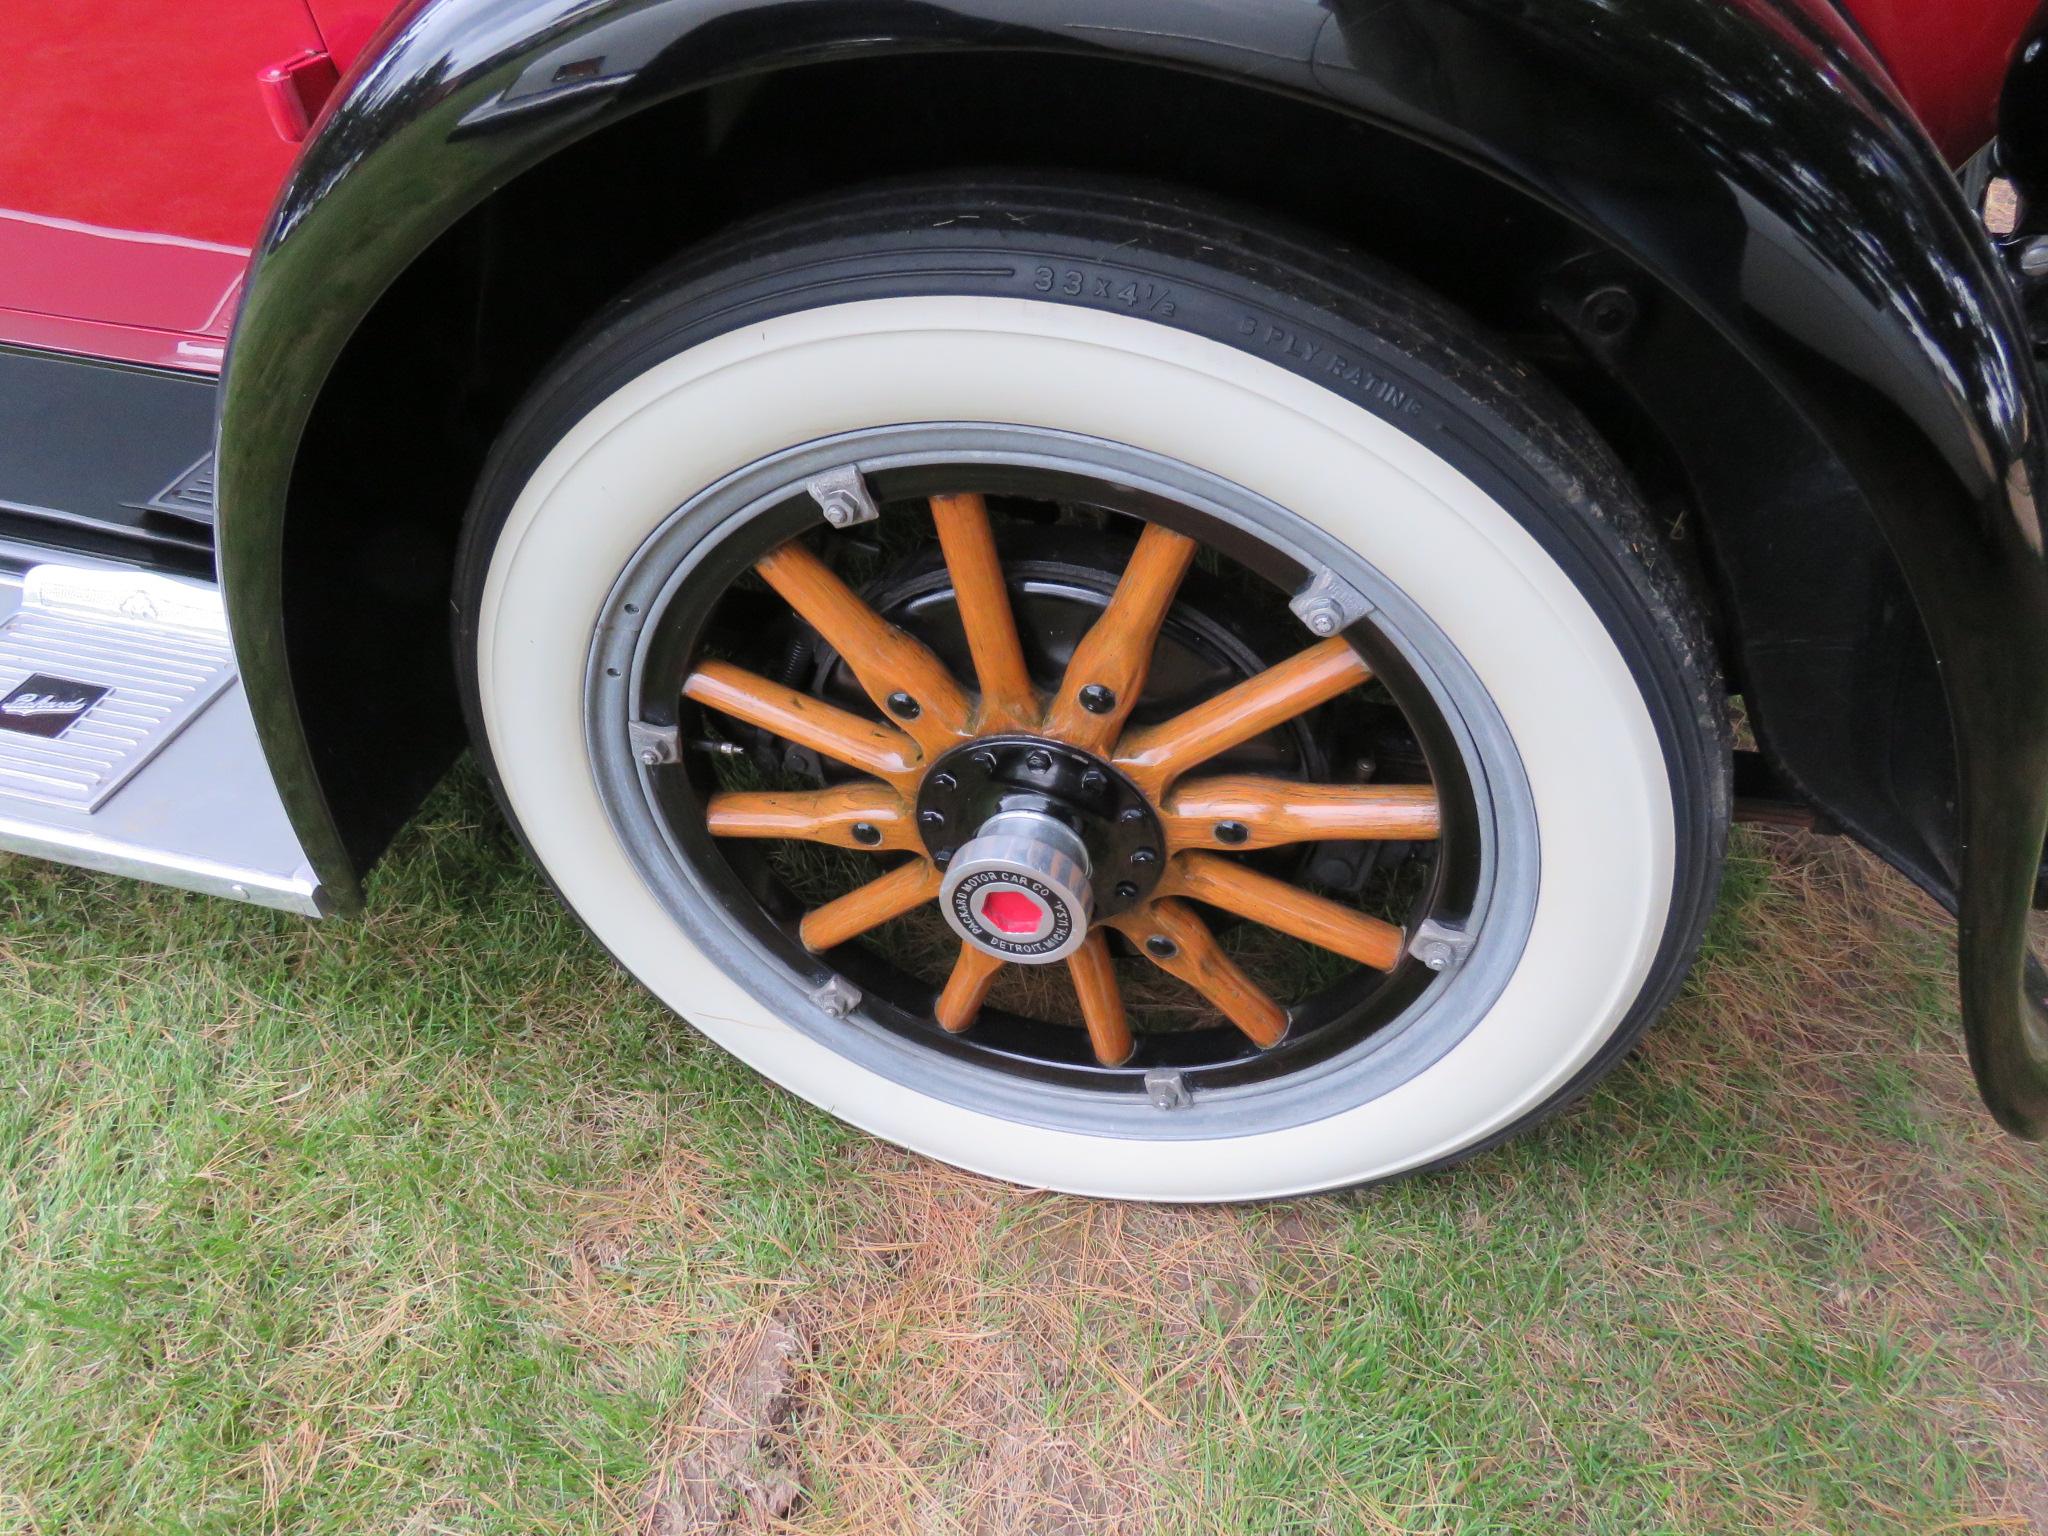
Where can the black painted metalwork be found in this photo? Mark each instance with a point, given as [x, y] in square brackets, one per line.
[89, 452]
[1028, 773]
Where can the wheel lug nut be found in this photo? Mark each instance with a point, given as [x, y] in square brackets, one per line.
[866, 833]
[931, 818]
[985, 761]
[1096, 699]
[1129, 814]
[1094, 780]
[944, 781]
[1126, 891]
[1038, 762]
[1232, 832]
[903, 706]
[943, 856]
[1143, 856]
[1162, 947]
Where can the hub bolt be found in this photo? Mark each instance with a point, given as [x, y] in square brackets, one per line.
[1096, 699]
[1232, 832]
[1126, 891]
[903, 705]
[931, 818]
[866, 833]
[1038, 762]
[1162, 947]
[1129, 814]
[985, 761]
[1094, 781]
[944, 781]
[1143, 856]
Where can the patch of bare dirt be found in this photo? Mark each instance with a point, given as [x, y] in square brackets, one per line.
[969, 1360]
[730, 1464]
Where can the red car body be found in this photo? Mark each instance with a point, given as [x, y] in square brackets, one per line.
[125, 227]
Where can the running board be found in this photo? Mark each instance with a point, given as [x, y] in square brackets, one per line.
[126, 743]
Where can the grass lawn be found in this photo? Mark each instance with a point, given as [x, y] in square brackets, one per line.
[432, 1223]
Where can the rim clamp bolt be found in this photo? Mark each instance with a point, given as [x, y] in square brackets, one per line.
[1323, 618]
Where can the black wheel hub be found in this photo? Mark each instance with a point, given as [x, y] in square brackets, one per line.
[996, 774]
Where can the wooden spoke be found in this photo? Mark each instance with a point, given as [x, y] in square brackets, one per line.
[889, 663]
[847, 738]
[1115, 655]
[1102, 1005]
[1245, 811]
[1172, 937]
[1311, 918]
[1157, 755]
[1008, 701]
[866, 816]
[869, 906]
[966, 989]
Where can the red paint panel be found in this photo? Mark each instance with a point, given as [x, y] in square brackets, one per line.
[145, 114]
[123, 343]
[349, 24]
[1949, 58]
[116, 277]
[137, 164]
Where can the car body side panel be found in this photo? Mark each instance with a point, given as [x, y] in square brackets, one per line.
[1749, 155]
[136, 168]
[1948, 59]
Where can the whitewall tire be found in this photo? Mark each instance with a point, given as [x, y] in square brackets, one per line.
[1484, 505]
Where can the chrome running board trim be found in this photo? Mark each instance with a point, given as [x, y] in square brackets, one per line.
[161, 646]
[161, 778]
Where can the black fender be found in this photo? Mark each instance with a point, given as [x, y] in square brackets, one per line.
[1828, 341]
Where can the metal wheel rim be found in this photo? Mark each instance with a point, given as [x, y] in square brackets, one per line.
[809, 994]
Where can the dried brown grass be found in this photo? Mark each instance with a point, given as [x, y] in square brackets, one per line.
[969, 1358]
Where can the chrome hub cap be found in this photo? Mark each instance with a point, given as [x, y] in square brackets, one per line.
[1018, 889]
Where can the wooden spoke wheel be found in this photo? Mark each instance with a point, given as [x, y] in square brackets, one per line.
[1012, 782]
[1095, 693]
[1067, 782]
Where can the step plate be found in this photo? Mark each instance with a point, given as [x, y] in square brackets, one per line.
[133, 750]
[98, 673]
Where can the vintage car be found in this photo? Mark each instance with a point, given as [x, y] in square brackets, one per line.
[1152, 597]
